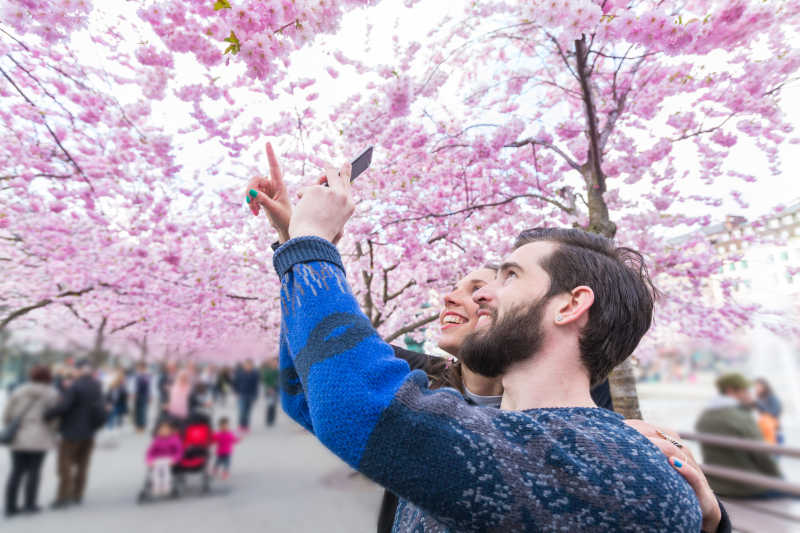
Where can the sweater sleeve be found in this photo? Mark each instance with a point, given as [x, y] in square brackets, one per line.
[293, 397]
[358, 393]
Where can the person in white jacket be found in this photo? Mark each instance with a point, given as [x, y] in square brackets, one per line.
[33, 439]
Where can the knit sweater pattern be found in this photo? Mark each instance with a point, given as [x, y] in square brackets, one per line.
[457, 467]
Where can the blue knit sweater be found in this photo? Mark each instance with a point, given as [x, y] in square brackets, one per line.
[457, 467]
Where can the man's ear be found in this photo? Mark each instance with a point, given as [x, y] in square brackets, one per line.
[576, 306]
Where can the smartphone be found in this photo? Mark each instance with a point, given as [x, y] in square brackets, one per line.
[359, 164]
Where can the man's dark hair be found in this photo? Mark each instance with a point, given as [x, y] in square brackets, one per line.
[624, 295]
[41, 374]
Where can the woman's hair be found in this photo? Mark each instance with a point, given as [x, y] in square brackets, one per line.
[444, 372]
[767, 390]
[223, 421]
[41, 374]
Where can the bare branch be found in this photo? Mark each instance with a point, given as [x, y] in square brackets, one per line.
[591, 116]
[530, 140]
[476, 207]
[124, 326]
[411, 327]
[562, 54]
[706, 130]
[38, 305]
[49, 129]
[79, 317]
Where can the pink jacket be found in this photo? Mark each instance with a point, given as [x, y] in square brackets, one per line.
[170, 447]
[225, 441]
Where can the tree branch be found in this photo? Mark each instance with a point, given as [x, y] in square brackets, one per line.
[124, 326]
[703, 131]
[38, 305]
[49, 129]
[517, 144]
[411, 327]
[591, 116]
[79, 317]
[567, 209]
[562, 54]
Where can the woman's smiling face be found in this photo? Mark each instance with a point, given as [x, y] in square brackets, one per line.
[458, 317]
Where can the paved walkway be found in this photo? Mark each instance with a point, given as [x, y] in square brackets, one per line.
[282, 479]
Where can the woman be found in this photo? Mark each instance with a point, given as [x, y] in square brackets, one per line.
[32, 440]
[769, 408]
[178, 403]
[117, 400]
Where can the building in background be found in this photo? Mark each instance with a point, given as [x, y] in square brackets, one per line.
[761, 260]
[760, 265]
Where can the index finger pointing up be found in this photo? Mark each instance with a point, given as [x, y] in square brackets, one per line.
[274, 167]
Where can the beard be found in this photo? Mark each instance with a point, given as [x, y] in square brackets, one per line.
[513, 339]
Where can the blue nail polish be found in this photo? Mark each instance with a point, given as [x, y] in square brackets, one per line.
[247, 198]
[678, 463]
[253, 193]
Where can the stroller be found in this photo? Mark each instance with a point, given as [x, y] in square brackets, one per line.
[197, 438]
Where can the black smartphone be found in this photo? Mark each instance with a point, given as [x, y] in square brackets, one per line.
[360, 163]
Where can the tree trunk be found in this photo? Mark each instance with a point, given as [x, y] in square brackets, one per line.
[622, 380]
[98, 355]
[623, 390]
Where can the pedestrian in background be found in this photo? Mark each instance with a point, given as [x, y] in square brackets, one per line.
[769, 408]
[269, 378]
[729, 414]
[223, 384]
[225, 439]
[245, 384]
[163, 453]
[117, 400]
[82, 412]
[32, 440]
[165, 379]
[177, 406]
[141, 397]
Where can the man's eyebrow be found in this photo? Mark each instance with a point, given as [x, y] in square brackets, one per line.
[509, 265]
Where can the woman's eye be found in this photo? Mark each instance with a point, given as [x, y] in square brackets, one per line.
[476, 287]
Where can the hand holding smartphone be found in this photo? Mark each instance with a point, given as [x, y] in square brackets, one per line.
[359, 164]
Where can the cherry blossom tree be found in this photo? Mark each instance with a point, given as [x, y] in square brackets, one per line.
[507, 115]
[513, 115]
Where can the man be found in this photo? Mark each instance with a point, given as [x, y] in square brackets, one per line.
[141, 397]
[556, 462]
[81, 411]
[165, 379]
[246, 386]
[729, 414]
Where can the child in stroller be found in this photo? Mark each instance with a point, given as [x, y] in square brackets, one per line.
[194, 444]
[163, 453]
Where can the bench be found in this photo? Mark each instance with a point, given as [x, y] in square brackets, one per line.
[751, 515]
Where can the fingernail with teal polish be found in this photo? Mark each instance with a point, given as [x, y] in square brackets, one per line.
[253, 193]
[678, 463]
[247, 198]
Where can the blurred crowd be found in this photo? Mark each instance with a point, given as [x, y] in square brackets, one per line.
[62, 407]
